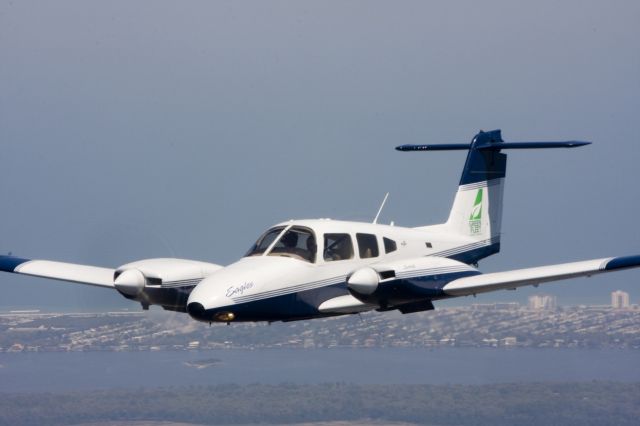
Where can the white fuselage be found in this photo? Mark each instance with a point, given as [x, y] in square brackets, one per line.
[259, 286]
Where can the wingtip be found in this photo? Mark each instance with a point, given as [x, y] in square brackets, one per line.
[623, 262]
[10, 263]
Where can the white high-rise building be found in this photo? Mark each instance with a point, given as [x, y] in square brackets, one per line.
[619, 299]
[542, 302]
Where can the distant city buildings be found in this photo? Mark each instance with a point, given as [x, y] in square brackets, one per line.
[495, 306]
[542, 302]
[619, 299]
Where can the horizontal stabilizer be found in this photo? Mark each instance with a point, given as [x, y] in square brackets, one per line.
[434, 147]
[491, 141]
[533, 276]
[535, 145]
[493, 146]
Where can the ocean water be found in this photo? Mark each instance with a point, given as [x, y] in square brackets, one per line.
[56, 371]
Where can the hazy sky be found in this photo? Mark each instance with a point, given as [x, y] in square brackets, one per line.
[141, 129]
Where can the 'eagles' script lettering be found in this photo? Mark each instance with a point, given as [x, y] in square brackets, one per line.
[238, 290]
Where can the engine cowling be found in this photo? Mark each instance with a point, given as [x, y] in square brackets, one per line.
[363, 282]
[130, 282]
[153, 281]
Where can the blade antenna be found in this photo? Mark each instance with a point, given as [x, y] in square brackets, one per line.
[375, 220]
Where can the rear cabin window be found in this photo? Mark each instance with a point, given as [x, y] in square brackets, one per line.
[337, 247]
[389, 245]
[367, 245]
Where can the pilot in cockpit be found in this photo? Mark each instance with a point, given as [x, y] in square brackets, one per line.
[297, 243]
[290, 240]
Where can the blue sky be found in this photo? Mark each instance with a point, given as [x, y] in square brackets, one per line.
[141, 129]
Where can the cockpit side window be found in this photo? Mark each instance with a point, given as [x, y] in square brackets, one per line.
[389, 245]
[265, 241]
[298, 243]
[367, 245]
[337, 247]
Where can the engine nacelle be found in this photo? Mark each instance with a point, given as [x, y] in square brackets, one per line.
[136, 279]
[406, 281]
[363, 282]
[130, 282]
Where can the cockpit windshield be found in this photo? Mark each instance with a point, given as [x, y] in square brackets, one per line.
[296, 242]
[265, 241]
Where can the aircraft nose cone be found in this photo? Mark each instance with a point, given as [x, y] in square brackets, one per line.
[196, 311]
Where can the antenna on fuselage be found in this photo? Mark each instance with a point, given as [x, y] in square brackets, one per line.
[375, 220]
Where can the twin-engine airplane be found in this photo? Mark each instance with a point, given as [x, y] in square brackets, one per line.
[305, 269]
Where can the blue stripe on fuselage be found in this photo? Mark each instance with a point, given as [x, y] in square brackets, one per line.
[473, 256]
[10, 263]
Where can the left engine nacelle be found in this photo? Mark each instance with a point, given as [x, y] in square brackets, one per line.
[132, 278]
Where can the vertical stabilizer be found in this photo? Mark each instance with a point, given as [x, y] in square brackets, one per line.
[476, 214]
[477, 208]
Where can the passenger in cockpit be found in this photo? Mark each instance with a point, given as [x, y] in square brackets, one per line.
[311, 248]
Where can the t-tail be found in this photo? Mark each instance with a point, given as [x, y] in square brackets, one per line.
[476, 214]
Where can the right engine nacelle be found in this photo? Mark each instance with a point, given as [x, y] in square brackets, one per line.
[405, 281]
[363, 282]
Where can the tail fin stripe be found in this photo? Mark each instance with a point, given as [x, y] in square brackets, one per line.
[483, 184]
[457, 250]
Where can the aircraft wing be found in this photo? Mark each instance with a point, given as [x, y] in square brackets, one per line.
[83, 274]
[532, 276]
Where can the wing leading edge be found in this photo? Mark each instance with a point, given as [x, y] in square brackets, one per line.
[533, 276]
[82, 274]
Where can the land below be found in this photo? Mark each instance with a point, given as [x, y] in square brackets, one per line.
[492, 325]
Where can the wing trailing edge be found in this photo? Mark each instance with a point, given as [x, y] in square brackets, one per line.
[533, 276]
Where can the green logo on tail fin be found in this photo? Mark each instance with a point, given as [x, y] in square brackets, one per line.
[476, 213]
[475, 219]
